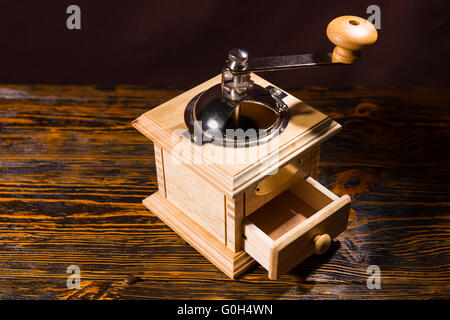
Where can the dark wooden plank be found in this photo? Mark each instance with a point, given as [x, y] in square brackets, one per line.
[73, 173]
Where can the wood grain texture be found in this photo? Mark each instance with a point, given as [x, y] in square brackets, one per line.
[194, 196]
[73, 173]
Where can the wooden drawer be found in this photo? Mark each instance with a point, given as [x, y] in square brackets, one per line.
[299, 222]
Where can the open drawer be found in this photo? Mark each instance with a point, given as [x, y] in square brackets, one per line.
[299, 222]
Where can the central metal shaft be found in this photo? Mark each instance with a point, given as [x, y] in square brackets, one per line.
[235, 79]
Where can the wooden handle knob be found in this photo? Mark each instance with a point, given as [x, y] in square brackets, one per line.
[350, 34]
[322, 243]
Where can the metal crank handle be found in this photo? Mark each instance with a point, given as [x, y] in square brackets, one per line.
[350, 34]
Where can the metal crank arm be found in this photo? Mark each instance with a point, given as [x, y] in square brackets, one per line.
[296, 61]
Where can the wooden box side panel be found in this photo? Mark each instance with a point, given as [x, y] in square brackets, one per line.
[195, 197]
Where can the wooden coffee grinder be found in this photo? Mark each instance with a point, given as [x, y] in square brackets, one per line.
[237, 161]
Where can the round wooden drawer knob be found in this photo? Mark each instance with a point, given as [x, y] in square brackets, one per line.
[322, 243]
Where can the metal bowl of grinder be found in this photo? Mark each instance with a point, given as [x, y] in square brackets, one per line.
[259, 117]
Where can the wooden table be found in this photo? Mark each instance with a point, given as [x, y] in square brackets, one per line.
[73, 173]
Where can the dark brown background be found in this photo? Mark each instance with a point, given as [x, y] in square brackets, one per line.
[181, 43]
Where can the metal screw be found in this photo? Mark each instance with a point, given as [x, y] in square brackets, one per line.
[275, 91]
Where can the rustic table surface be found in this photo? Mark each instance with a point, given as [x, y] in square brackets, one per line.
[73, 173]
